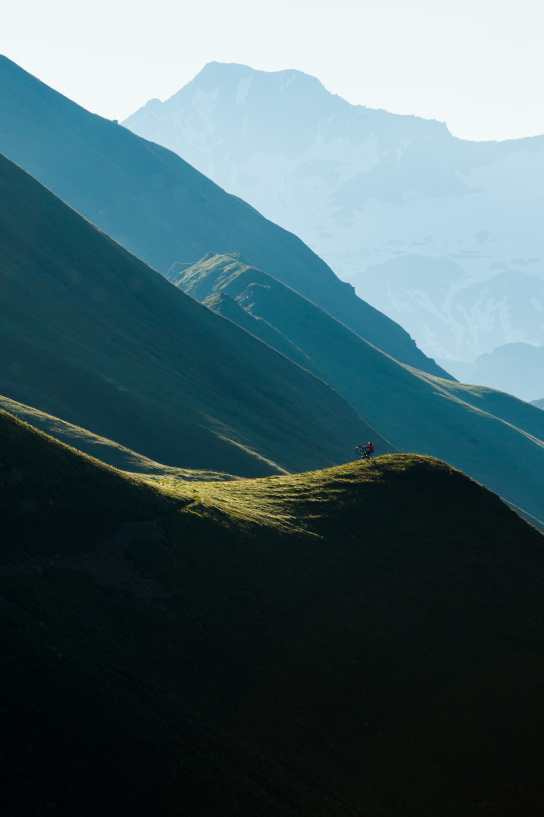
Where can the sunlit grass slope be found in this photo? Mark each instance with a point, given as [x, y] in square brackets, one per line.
[494, 437]
[367, 639]
[161, 208]
[107, 451]
[90, 334]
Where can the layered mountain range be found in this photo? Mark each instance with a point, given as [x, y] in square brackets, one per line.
[162, 209]
[222, 630]
[517, 368]
[441, 234]
[92, 335]
[470, 427]
[96, 339]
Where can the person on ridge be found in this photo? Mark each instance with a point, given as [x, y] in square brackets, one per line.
[370, 448]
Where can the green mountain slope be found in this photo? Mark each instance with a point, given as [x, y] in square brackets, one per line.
[162, 209]
[100, 448]
[91, 335]
[366, 639]
[492, 436]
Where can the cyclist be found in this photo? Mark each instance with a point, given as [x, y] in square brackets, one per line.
[365, 451]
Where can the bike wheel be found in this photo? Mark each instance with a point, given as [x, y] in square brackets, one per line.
[359, 450]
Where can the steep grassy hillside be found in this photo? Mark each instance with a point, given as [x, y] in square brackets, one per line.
[161, 208]
[362, 640]
[89, 334]
[56, 500]
[100, 448]
[492, 436]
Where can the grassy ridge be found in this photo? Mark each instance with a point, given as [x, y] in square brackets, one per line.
[55, 501]
[93, 336]
[494, 437]
[361, 640]
[107, 451]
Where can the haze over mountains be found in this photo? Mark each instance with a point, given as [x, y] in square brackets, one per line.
[162, 209]
[93, 336]
[91, 160]
[359, 639]
[517, 368]
[468, 426]
[443, 235]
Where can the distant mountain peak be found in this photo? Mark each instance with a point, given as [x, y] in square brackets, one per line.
[223, 70]
[429, 228]
[228, 76]
[152, 103]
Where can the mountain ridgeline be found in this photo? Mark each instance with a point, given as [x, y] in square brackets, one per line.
[93, 336]
[442, 234]
[516, 368]
[162, 209]
[221, 648]
[246, 623]
[471, 427]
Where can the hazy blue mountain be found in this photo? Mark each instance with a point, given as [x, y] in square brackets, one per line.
[471, 427]
[516, 368]
[161, 208]
[91, 335]
[539, 403]
[101, 448]
[443, 235]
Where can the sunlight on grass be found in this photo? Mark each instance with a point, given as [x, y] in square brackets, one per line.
[288, 502]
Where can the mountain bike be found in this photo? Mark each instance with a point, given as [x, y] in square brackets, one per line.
[363, 452]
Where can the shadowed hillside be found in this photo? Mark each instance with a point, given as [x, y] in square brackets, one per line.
[362, 640]
[473, 428]
[161, 208]
[92, 335]
[100, 448]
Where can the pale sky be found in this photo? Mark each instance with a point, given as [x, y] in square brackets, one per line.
[477, 65]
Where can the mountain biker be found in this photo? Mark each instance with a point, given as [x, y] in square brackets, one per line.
[369, 447]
